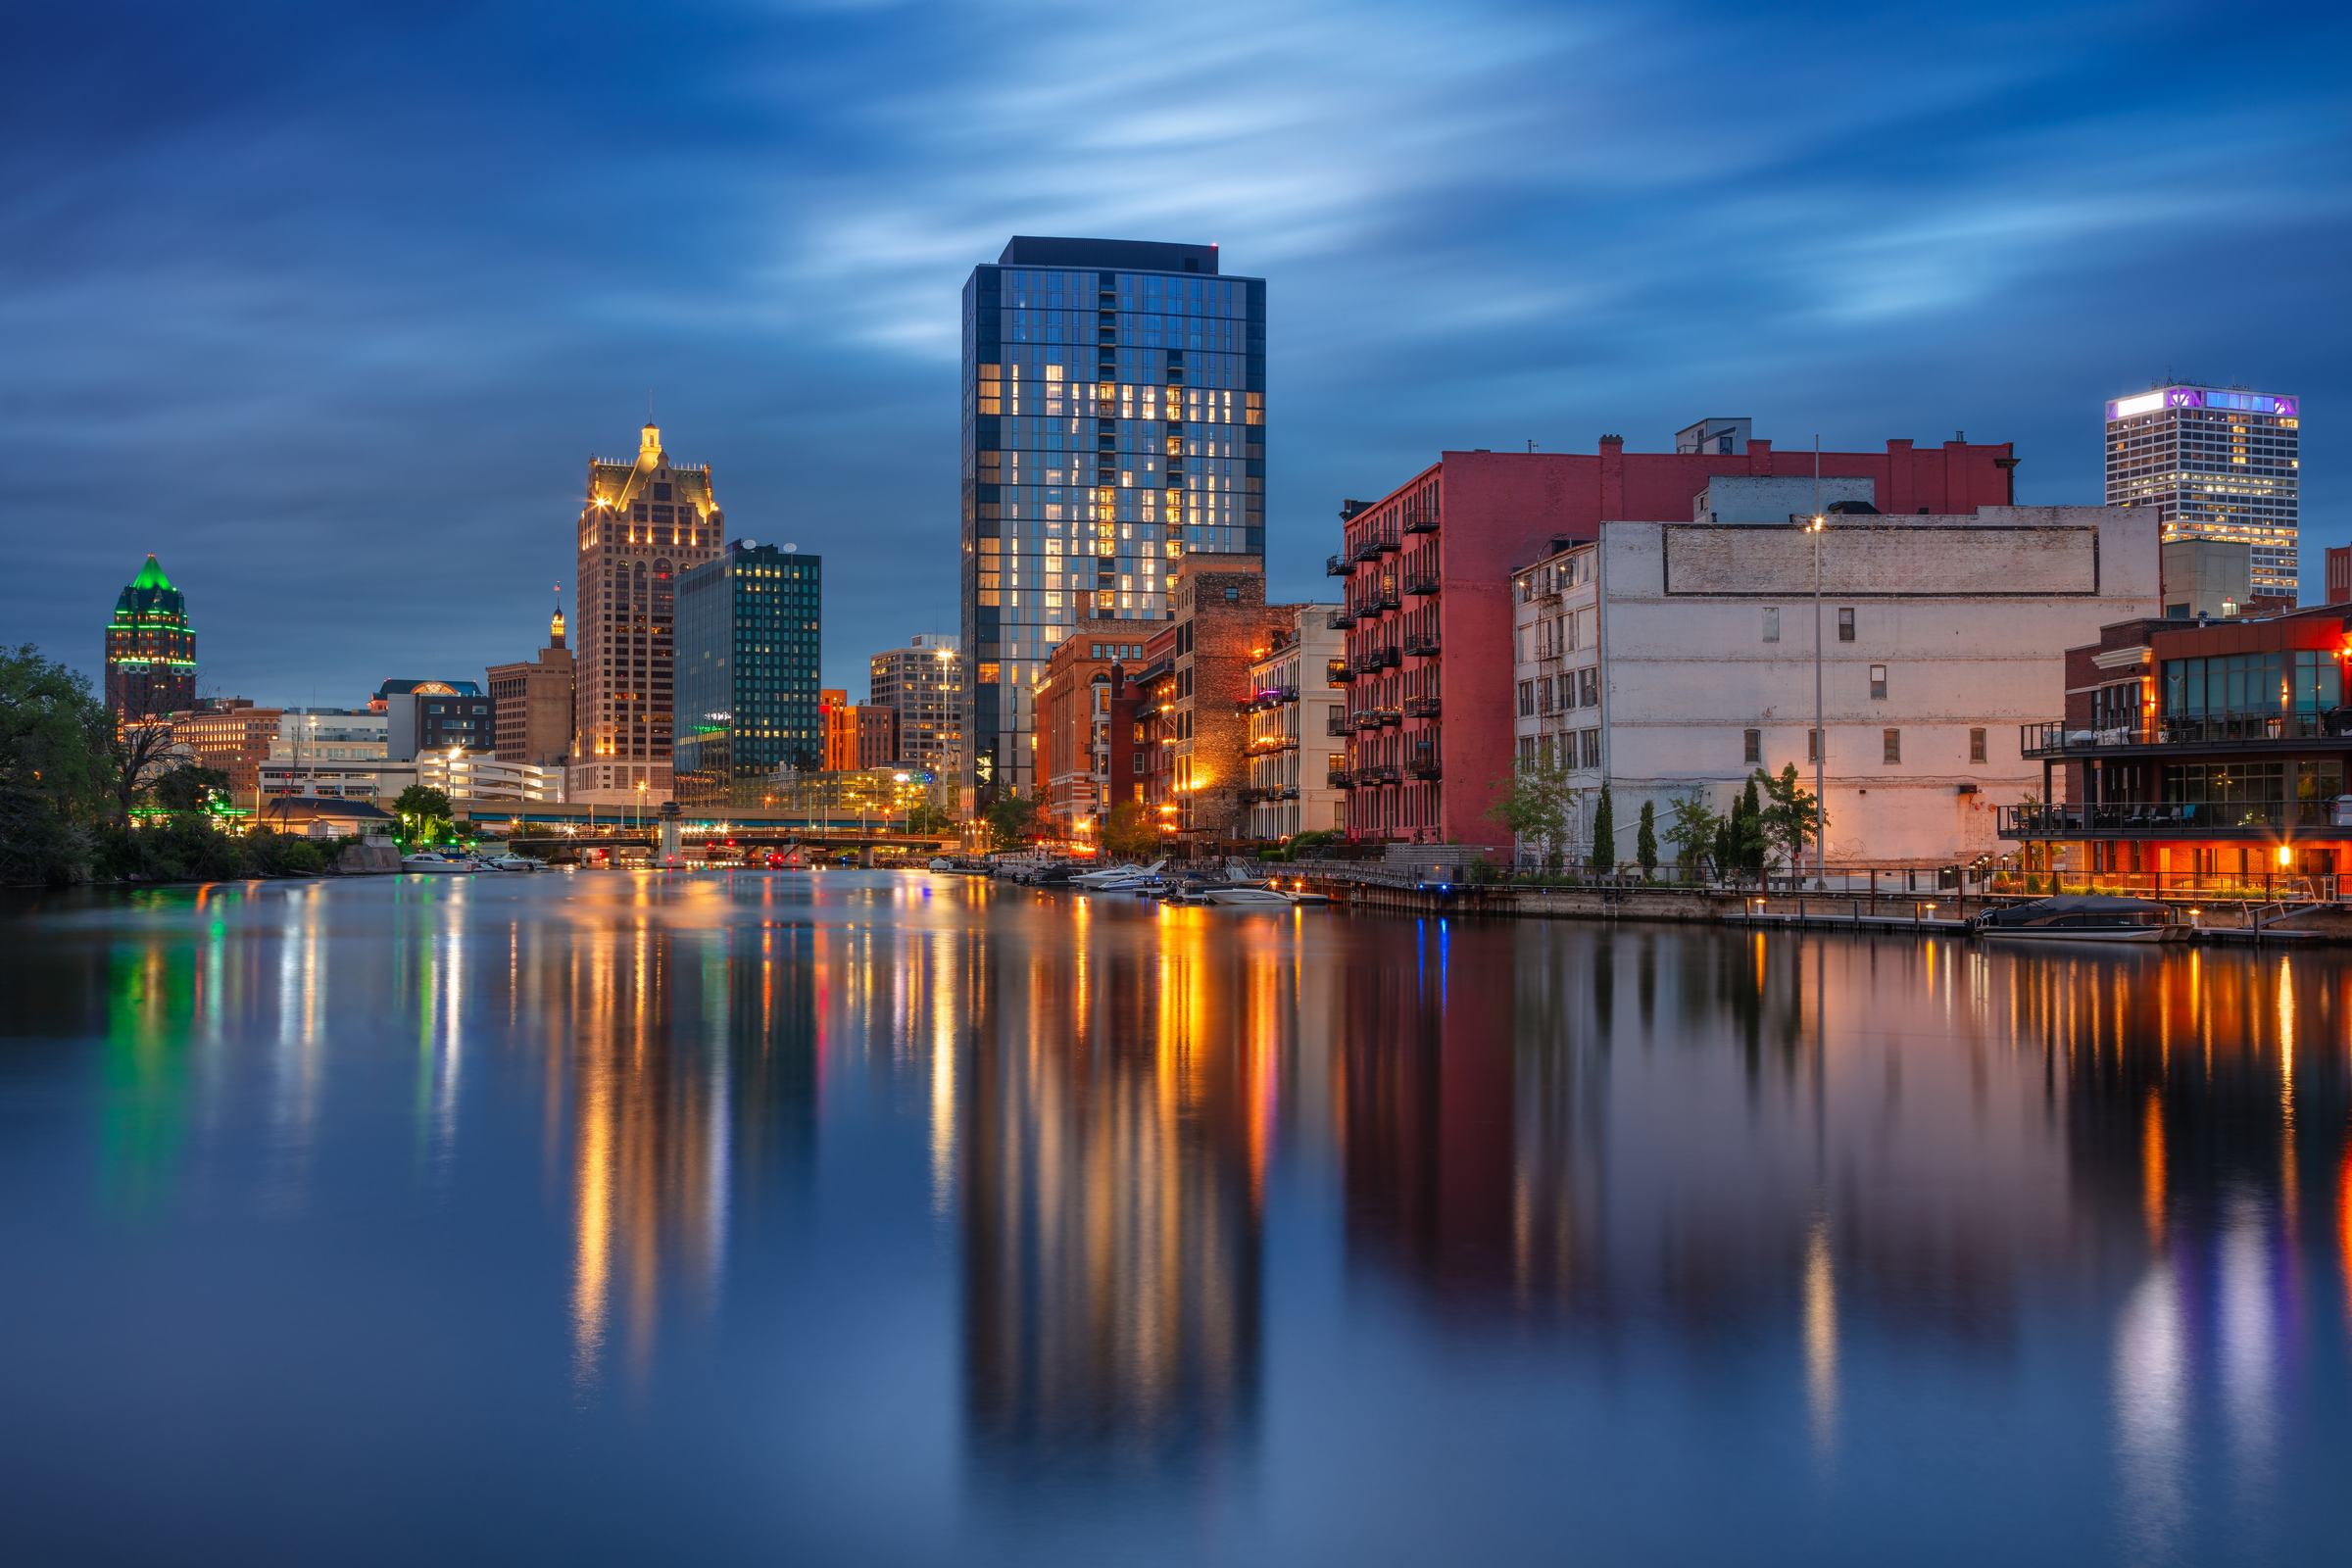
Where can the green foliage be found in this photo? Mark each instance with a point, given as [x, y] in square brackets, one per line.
[1692, 831]
[1740, 836]
[188, 788]
[1645, 841]
[1794, 816]
[1538, 803]
[1129, 833]
[1605, 833]
[926, 818]
[1013, 819]
[56, 768]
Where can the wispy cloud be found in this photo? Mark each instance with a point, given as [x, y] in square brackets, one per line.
[330, 304]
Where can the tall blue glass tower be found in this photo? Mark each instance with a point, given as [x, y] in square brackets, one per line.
[1114, 421]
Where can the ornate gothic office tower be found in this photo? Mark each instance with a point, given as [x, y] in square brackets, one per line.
[150, 650]
[643, 525]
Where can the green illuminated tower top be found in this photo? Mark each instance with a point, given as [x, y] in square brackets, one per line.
[150, 648]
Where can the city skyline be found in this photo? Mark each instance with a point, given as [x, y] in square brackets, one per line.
[200, 278]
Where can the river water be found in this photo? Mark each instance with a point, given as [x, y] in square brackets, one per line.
[864, 1217]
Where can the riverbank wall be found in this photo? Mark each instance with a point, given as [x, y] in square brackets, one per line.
[1376, 891]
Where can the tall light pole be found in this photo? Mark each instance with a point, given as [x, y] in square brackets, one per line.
[1820, 741]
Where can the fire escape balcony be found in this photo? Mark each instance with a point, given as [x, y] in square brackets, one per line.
[1337, 671]
[1373, 600]
[1422, 707]
[1336, 566]
[1340, 619]
[1338, 778]
[1377, 658]
[1424, 766]
[1422, 645]
[1365, 549]
[1421, 583]
[1421, 523]
[1339, 724]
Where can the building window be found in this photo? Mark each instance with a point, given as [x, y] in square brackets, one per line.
[1893, 745]
[1543, 695]
[1976, 746]
[1527, 699]
[1845, 626]
[1591, 748]
[1812, 745]
[1772, 623]
[1753, 749]
[1878, 682]
[1527, 751]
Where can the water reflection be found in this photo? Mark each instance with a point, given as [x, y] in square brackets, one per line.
[1115, 1118]
[1713, 1210]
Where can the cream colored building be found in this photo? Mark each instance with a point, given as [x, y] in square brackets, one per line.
[1674, 659]
[1297, 734]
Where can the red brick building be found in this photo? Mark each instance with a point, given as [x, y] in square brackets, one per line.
[232, 735]
[1087, 757]
[857, 736]
[1427, 576]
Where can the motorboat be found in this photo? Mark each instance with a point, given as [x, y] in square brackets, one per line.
[1118, 878]
[512, 862]
[2090, 917]
[431, 864]
[1249, 896]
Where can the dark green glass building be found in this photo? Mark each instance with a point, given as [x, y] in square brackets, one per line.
[748, 649]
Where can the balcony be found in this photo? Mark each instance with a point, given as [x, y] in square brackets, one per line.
[1267, 744]
[1336, 566]
[1336, 671]
[1421, 583]
[1365, 776]
[1422, 645]
[1374, 600]
[1338, 778]
[1340, 619]
[1425, 768]
[2211, 731]
[1421, 522]
[1422, 707]
[1340, 724]
[1366, 550]
[1289, 792]
[1276, 696]
[2169, 819]
[1377, 658]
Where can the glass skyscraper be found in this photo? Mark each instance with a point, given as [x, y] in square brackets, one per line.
[2216, 463]
[1114, 421]
[748, 634]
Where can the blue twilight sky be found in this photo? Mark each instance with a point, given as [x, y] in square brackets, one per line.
[329, 304]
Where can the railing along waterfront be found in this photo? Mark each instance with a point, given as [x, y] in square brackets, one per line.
[2195, 729]
[2158, 819]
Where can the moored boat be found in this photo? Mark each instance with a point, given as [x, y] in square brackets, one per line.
[428, 862]
[2084, 918]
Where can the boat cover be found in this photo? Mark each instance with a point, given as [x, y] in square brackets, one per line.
[2042, 910]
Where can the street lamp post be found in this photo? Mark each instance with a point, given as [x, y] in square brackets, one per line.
[1821, 746]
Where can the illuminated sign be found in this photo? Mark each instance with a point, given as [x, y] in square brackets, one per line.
[2197, 397]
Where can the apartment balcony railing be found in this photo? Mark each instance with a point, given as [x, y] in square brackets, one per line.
[1340, 724]
[1374, 600]
[1369, 549]
[1383, 774]
[1421, 523]
[1276, 696]
[2172, 819]
[1337, 671]
[1422, 583]
[1423, 768]
[1265, 744]
[1340, 620]
[2190, 729]
[1377, 658]
[1289, 792]
[1338, 778]
[1336, 566]
[1377, 718]
[1422, 645]
[1422, 707]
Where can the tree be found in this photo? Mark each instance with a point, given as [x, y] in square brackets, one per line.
[1646, 842]
[1128, 832]
[1605, 833]
[1794, 816]
[423, 811]
[1538, 805]
[1740, 836]
[1011, 819]
[55, 768]
[926, 818]
[188, 788]
[1692, 832]
[141, 748]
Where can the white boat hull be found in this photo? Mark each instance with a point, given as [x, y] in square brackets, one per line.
[1250, 898]
[2039, 933]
